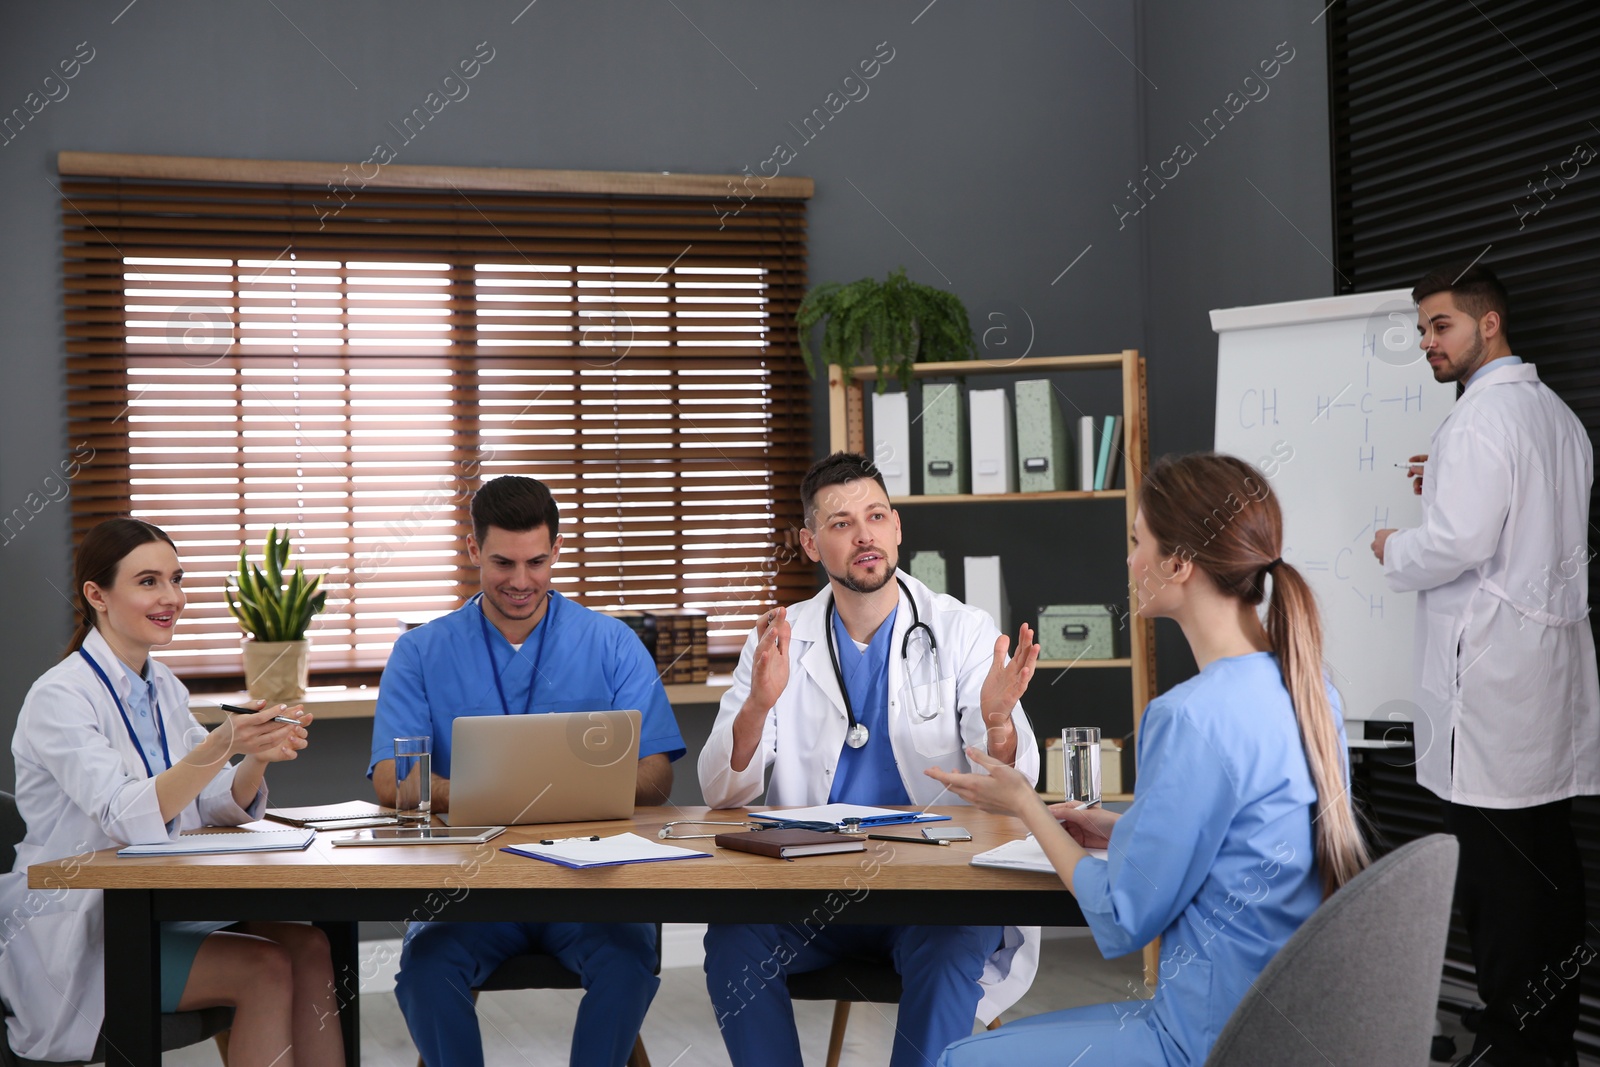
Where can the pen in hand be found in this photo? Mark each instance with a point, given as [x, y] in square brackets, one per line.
[251, 711]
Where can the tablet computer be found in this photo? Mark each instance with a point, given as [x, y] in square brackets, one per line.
[421, 835]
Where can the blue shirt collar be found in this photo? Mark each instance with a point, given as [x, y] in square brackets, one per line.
[1503, 361]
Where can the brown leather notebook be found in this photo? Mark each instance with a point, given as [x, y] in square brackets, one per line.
[787, 844]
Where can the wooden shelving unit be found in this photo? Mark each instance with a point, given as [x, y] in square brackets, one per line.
[848, 432]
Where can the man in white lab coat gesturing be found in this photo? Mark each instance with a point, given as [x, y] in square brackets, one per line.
[1509, 729]
[849, 697]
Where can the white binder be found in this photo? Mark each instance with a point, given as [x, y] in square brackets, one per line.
[891, 442]
[994, 442]
[985, 589]
[1086, 452]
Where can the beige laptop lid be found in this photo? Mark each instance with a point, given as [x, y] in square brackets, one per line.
[507, 770]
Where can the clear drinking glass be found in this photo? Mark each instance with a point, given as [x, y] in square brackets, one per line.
[1081, 750]
[413, 778]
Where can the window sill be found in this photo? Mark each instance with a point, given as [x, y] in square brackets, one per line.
[360, 702]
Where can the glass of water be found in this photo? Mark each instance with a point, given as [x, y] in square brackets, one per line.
[413, 778]
[1081, 749]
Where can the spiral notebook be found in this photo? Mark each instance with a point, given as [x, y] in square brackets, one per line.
[1024, 855]
[239, 841]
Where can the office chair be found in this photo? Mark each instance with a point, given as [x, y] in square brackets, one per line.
[1358, 984]
[178, 1029]
[535, 970]
[844, 983]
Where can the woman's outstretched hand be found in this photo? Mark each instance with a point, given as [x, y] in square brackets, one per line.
[1003, 790]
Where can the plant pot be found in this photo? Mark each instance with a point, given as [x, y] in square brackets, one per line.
[276, 671]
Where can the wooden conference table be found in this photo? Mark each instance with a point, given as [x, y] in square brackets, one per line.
[336, 887]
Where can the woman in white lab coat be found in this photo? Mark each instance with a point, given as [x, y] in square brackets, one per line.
[108, 754]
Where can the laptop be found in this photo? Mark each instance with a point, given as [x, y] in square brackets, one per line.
[511, 770]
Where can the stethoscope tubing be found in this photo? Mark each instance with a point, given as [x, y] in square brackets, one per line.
[905, 646]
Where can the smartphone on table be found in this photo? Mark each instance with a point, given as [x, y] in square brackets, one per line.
[946, 833]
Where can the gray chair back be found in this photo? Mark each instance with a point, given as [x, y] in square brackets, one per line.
[1358, 984]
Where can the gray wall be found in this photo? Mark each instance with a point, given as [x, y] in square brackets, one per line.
[986, 158]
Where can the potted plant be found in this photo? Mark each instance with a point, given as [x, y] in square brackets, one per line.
[898, 321]
[275, 615]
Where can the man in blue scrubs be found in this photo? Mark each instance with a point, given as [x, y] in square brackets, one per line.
[848, 697]
[520, 648]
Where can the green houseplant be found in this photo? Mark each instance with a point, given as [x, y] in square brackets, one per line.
[898, 321]
[275, 614]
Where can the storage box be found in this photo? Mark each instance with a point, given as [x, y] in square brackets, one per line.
[1055, 768]
[1075, 631]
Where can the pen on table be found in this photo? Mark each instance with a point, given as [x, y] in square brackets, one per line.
[257, 711]
[907, 840]
[562, 840]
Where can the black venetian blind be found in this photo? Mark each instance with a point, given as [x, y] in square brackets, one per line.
[1471, 129]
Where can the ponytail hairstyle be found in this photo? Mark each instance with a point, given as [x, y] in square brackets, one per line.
[1220, 513]
[97, 559]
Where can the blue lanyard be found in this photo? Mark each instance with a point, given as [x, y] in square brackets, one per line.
[494, 668]
[155, 710]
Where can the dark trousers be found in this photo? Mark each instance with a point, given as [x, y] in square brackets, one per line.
[1519, 889]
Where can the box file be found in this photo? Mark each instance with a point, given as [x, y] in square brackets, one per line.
[986, 590]
[944, 440]
[994, 463]
[891, 442]
[1041, 439]
[929, 569]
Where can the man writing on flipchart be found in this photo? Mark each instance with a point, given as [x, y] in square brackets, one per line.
[1509, 729]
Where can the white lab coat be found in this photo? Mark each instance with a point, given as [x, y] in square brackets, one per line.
[81, 786]
[804, 734]
[1505, 659]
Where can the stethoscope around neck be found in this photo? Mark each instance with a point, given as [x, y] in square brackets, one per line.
[856, 735]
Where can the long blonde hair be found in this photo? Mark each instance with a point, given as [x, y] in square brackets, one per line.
[1220, 513]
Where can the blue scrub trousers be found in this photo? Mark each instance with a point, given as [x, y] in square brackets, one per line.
[442, 962]
[939, 968]
[1098, 1035]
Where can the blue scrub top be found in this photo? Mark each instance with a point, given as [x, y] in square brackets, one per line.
[869, 774]
[443, 670]
[1215, 853]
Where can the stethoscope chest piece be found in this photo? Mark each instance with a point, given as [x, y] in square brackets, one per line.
[856, 736]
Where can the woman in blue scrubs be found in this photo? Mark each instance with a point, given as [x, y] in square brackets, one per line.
[108, 754]
[1242, 824]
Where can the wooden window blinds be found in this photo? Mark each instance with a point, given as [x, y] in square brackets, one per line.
[352, 362]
